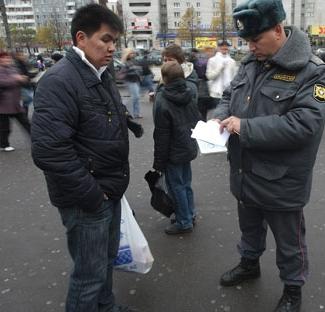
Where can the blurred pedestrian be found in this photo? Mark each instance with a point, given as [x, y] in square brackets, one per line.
[80, 141]
[205, 101]
[132, 77]
[274, 110]
[10, 106]
[176, 113]
[147, 75]
[27, 90]
[221, 69]
[40, 63]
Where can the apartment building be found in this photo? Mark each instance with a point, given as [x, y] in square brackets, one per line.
[20, 13]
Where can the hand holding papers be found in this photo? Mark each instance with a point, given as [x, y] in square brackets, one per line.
[209, 138]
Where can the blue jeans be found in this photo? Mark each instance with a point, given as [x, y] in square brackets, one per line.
[134, 89]
[179, 179]
[147, 83]
[93, 241]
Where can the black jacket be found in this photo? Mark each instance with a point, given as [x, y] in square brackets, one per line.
[282, 121]
[79, 135]
[175, 114]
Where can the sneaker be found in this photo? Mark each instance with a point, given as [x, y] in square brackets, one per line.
[290, 300]
[8, 149]
[245, 270]
[173, 220]
[175, 230]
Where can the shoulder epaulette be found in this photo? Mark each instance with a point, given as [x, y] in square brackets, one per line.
[316, 60]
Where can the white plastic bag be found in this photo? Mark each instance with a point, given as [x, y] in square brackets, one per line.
[134, 254]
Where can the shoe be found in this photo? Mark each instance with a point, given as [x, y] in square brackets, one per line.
[8, 149]
[290, 300]
[174, 230]
[173, 220]
[247, 269]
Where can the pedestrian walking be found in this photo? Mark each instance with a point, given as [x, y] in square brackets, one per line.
[221, 69]
[132, 75]
[80, 141]
[176, 113]
[147, 75]
[274, 110]
[10, 102]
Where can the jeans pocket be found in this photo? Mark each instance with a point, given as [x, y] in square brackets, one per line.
[104, 211]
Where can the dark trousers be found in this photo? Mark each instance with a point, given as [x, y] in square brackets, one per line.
[93, 241]
[205, 104]
[288, 228]
[5, 126]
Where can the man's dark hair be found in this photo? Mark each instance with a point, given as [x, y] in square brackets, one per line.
[90, 18]
[174, 51]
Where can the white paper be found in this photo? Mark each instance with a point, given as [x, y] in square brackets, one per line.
[210, 133]
[209, 148]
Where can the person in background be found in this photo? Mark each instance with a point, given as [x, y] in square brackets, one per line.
[27, 90]
[274, 110]
[10, 92]
[80, 141]
[132, 77]
[40, 63]
[147, 74]
[175, 114]
[221, 69]
[174, 52]
[56, 56]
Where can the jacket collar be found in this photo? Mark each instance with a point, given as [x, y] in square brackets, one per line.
[297, 44]
[88, 75]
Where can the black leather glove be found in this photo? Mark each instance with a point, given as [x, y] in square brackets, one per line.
[136, 128]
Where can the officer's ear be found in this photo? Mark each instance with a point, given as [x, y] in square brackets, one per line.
[81, 38]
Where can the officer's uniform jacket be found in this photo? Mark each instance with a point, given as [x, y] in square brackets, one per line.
[281, 106]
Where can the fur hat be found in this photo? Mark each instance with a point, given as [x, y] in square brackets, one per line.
[256, 16]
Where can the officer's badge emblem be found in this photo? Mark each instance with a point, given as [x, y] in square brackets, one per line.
[319, 93]
[239, 24]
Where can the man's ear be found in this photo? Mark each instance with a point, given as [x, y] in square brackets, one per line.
[80, 38]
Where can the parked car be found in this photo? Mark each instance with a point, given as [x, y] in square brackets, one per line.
[155, 58]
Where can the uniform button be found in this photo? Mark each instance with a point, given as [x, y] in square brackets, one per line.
[241, 202]
[277, 97]
[91, 171]
[248, 98]
[240, 171]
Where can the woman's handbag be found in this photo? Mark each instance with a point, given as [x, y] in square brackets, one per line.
[134, 254]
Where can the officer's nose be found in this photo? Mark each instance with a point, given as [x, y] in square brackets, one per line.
[251, 46]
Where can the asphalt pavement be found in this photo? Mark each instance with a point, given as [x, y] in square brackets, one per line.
[35, 265]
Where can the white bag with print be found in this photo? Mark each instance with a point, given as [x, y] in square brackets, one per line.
[134, 254]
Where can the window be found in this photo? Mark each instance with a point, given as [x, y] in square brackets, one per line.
[188, 4]
[177, 5]
[177, 14]
[198, 14]
[198, 4]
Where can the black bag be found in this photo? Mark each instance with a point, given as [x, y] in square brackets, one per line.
[160, 200]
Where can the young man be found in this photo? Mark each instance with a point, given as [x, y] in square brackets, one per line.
[175, 114]
[80, 141]
[274, 110]
[221, 69]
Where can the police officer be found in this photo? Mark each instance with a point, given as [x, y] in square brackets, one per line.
[274, 110]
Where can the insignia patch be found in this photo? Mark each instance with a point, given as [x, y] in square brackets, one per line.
[284, 77]
[239, 24]
[319, 93]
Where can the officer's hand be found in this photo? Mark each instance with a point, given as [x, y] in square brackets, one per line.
[232, 124]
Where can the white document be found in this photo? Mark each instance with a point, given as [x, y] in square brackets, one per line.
[210, 133]
[209, 148]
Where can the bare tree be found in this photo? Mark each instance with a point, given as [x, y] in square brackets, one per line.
[60, 29]
[5, 23]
